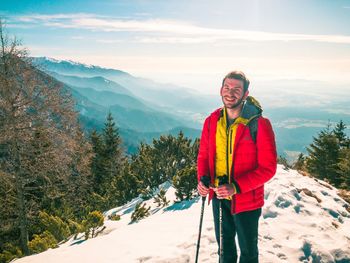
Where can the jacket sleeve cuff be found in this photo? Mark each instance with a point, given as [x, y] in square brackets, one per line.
[236, 186]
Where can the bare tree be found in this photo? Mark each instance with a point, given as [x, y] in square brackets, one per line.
[37, 129]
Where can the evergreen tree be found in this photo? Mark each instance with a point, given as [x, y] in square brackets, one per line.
[113, 159]
[160, 199]
[108, 163]
[185, 183]
[172, 153]
[98, 168]
[146, 170]
[93, 221]
[158, 163]
[141, 211]
[324, 156]
[126, 185]
[339, 132]
[344, 168]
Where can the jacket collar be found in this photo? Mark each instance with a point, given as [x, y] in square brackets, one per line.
[251, 109]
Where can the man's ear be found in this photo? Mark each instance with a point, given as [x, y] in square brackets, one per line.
[221, 90]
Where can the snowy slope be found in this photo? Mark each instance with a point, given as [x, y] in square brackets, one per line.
[297, 225]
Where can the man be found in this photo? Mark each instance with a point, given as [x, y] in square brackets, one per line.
[237, 150]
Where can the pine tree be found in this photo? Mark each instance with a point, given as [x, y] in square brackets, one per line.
[324, 156]
[339, 132]
[141, 211]
[172, 153]
[343, 168]
[126, 185]
[145, 167]
[108, 162]
[158, 163]
[185, 183]
[160, 199]
[113, 158]
[98, 168]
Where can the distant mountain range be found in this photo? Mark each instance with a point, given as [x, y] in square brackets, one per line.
[138, 117]
[144, 109]
[168, 97]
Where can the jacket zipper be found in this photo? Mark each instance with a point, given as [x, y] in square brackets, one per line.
[230, 141]
[229, 144]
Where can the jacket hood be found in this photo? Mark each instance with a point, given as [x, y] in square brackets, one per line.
[251, 109]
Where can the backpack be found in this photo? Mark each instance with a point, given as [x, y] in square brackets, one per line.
[253, 128]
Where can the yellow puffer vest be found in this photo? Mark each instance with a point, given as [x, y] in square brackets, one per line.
[225, 138]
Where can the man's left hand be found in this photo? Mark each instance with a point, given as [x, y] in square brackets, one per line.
[224, 191]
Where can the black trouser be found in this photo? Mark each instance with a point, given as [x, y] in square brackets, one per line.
[245, 224]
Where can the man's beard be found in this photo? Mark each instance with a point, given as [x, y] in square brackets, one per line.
[234, 106]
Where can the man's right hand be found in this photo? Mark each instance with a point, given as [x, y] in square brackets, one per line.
[202, 189]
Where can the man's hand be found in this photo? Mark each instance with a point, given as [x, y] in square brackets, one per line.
[202, 189]
[224, 191]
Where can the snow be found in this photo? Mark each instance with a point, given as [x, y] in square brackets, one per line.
[74, 63]
[297, 225]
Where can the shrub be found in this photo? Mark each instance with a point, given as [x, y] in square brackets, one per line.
[141, 211]
[59, 229]
[94, 220]
[114, 217]
[42, 242]
[185, 183]
[75, 227]
[10, 252]
[160, 199]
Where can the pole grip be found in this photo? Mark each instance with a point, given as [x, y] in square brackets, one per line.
[205, 180]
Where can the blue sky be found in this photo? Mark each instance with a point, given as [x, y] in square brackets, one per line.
[192, 43]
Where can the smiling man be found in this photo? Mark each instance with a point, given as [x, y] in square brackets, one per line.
[238, 152]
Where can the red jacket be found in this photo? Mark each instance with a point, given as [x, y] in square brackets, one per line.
[254, 163]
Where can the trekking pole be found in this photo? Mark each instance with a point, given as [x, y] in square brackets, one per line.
[222, 180]
[205, 180]
[221, 232]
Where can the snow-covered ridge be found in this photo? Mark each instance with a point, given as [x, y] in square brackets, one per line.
[53, 60]
[303, 220]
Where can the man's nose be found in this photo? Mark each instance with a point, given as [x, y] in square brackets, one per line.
[232, 91]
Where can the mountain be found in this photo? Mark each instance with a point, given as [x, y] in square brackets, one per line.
[127, 111]
[95, 95]
[296, 108]
[147, 124]
[168, 97]
[109, 98]
[97, 83]
[72, 68]
[303, 220]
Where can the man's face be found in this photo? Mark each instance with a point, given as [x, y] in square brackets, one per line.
[232, 93]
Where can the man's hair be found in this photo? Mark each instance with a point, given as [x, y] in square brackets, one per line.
[239, 75]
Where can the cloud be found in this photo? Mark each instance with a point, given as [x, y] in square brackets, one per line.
[167, 31]
[109, 41]
[293, 123]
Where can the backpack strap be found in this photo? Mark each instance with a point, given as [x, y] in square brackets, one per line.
[253, 128]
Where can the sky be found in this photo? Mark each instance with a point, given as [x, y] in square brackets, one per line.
[192, 43]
